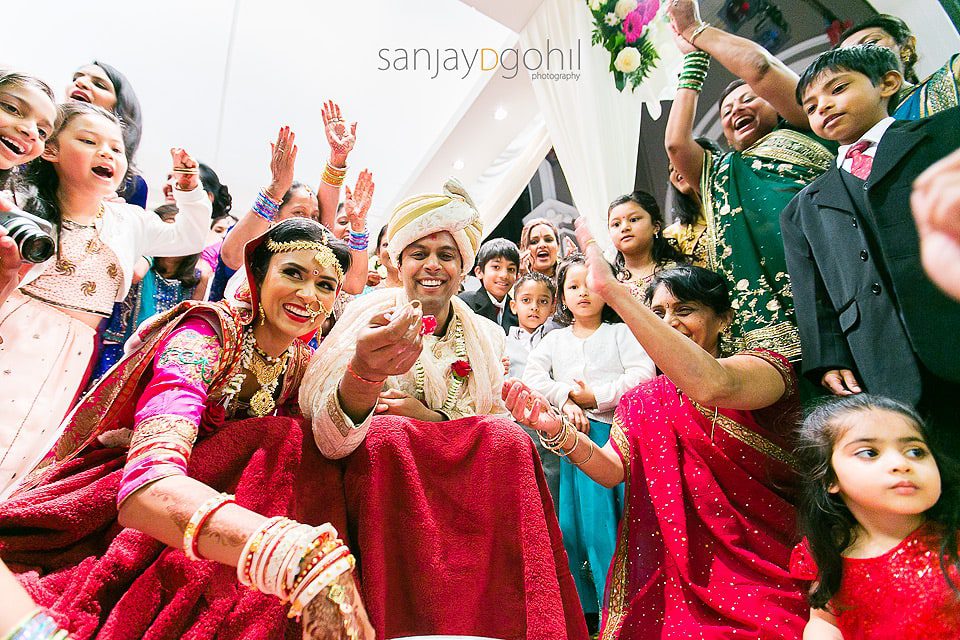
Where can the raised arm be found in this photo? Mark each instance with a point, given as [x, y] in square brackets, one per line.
[685, 154]
[737, 382]
[357, 206]
[767, 75]
[189, 230]
[283, 157]
[341, 139]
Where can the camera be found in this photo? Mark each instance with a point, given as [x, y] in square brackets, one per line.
[33, 235]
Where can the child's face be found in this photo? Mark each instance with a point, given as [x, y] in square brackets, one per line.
[89, 155]
[583, 304]
[631, 228]
[843, 105]
[746, 117]
[883, 466]
[498, 276]
[533, 303]
[27, 115]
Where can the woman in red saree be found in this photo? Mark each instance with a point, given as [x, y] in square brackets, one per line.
[140, 461]
[704, 451]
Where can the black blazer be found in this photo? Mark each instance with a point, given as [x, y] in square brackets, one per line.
[479, 301]
[862, 299]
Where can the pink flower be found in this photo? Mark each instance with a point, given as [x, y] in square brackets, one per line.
[429, 325]
[636, 21]
[461, 368]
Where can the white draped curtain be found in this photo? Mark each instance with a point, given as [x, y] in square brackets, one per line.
[595, 128]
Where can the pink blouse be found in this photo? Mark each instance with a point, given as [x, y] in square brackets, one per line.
[169, 412]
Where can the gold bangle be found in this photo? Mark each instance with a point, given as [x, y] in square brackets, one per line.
[190, 171]
[589, 242]
[589, 455]
[696, 32]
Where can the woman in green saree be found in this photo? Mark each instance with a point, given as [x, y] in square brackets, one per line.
[744, 190]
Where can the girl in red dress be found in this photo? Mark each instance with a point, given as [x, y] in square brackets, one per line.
[880, 513]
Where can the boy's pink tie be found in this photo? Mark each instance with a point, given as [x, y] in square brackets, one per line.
[861, 164]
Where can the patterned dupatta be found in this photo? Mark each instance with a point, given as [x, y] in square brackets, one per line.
[939, 92]
[708, 526]
[111, 403]
[743, 195]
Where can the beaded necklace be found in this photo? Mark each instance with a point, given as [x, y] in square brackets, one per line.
[453, 389]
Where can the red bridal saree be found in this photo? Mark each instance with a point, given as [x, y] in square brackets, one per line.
[705, 542]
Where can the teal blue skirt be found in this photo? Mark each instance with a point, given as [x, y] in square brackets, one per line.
[589, 517]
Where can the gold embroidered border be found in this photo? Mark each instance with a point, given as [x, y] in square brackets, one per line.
[336, 413]
[792, 147]
[789, 380]
[750, 438]
[165, 426]
[782, 337]
[617, 606]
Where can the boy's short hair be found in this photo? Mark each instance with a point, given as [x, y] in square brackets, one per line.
[498, 248]
[868, 59]
[536, 276]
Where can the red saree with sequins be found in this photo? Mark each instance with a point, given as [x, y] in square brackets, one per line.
[98, 579]
[704, 545]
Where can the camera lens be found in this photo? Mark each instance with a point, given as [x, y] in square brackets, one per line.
[34, 243]
[37, 248]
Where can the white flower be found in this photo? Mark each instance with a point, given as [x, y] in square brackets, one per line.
[743, 285]
[611, 19]
[624, 7]
[773, 305]
[628, 60]
[595, 5]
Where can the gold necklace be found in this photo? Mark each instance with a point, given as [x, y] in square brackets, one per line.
[268, 376]
[68, 265]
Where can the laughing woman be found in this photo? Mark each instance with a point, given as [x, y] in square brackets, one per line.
[103, 518]
[49, 325]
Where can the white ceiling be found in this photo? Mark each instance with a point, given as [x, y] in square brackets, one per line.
[219, 78]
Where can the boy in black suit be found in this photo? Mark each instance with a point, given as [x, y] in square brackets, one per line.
[498, 263]
[869, 317]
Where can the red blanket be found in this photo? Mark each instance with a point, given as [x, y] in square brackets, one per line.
[100, 580]
[452, 524]
[456, 532]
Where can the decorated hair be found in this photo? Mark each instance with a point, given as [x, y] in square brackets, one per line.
[826, 521]
[896, 29]
[299, 233]
[563, 315]
[665, 250]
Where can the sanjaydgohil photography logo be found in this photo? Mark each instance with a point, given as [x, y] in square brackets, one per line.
[555, 64]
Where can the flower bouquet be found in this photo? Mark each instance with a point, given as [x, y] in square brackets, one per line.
[622, 27]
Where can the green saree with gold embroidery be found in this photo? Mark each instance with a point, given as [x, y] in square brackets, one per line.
[743, 195]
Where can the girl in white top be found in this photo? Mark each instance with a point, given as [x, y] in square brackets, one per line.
[48, 326]
[584, 368]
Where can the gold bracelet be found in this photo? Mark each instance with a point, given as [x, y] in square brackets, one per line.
[190, 171]
[589, 455]
[696, 32]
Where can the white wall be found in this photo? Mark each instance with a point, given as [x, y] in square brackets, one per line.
[219, 77]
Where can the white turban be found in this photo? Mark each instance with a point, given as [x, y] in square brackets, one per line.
[428, 213]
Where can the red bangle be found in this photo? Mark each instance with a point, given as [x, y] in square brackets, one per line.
[191, 534]
[361, 378]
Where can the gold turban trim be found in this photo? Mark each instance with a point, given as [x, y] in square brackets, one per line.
[429, 213]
